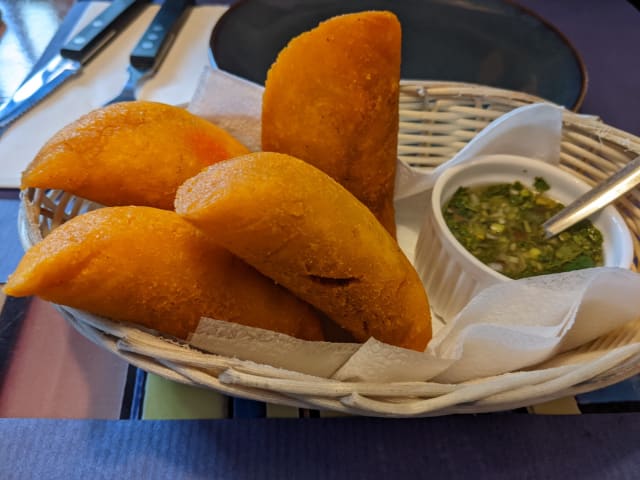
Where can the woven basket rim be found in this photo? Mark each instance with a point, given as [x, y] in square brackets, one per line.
[587, 121]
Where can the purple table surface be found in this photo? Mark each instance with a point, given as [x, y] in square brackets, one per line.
[606, 36]
[484, 446]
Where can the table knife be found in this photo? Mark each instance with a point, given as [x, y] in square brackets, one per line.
[76, 53]
[153, 46]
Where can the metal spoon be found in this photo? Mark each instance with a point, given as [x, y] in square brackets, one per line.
[595, 199]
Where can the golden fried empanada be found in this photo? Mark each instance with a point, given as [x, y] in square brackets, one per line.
[151, 267]
[331, 99]
[131, 153]
[296, 225]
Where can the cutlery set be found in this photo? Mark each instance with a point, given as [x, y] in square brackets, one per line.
[77, 52]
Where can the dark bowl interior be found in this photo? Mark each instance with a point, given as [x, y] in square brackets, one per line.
[489, 42]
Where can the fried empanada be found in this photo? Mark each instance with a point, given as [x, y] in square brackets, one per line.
[131, 153]
[299, 227]
[331, 99]
[151, 267]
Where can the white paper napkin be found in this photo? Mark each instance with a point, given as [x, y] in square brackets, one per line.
[532, 131]
[103, 79]
[232, 103]
[516, 324]
[507, 327]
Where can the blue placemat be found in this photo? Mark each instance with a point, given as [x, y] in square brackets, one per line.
[10, 249]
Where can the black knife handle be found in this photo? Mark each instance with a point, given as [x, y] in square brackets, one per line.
[102, 29]
[157, 39]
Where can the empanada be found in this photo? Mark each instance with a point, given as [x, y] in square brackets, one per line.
[331, 99]
[151, 267]
[299, 227]
[131, 153]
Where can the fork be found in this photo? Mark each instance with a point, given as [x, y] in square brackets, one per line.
[148, 54]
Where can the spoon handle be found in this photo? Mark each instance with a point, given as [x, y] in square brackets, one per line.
[595, 199]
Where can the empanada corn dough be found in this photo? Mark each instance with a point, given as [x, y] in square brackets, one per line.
[331, 99]
[298, 226]
[131, 153]
[151, 267]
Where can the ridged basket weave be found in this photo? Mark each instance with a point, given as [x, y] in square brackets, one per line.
[436, 120]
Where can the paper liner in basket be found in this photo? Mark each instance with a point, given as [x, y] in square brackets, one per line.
[543, 317]
[507, 327]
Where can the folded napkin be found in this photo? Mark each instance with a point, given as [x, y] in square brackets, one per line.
[507, 327]
[532, 131]
[103, 79]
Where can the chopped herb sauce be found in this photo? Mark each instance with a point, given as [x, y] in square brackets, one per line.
[501, 225]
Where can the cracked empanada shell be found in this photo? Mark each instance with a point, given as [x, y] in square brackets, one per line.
[299, 227]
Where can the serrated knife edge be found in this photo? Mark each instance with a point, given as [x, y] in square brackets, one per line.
[69, 61]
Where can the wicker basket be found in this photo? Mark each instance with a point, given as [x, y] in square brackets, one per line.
[436, 120]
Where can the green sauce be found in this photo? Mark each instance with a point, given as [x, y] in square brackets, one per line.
[501, 225]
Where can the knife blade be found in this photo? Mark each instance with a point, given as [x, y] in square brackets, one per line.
[76, 53]
[153, 46]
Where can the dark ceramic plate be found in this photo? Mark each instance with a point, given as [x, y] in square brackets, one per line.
[488, 42]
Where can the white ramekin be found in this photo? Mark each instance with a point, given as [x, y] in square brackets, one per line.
[452, 275]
